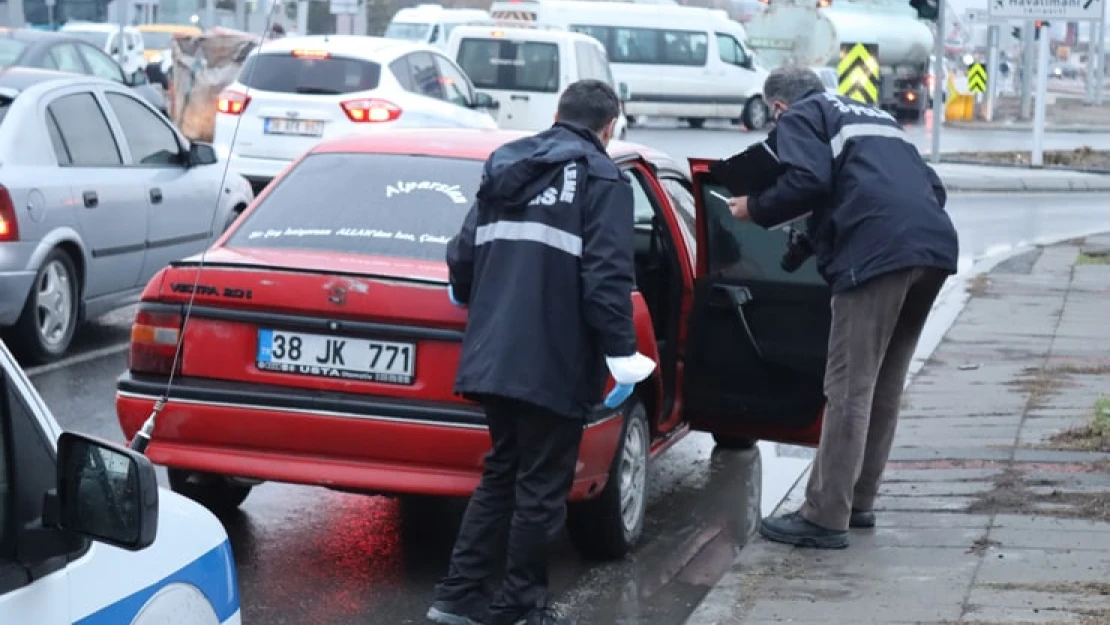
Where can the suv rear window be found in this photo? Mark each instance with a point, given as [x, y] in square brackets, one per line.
[510, 65]
[374, 204]
[288, 73]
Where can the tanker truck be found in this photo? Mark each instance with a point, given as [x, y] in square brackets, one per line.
[810, 33]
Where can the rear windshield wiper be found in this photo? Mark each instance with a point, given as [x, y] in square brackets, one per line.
[318, 90]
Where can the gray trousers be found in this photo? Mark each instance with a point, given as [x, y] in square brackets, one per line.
[874, 333]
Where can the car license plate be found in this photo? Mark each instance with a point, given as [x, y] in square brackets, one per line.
[347, 358]
[298, 127]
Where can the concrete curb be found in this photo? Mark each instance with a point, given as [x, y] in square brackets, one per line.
[948, 159]
[1018, 185]
[1080, 129]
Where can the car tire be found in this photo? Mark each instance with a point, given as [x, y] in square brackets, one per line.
[733, 442]
[754, 116]
[215, 492]
[695, 122]
[53, 300]
[598, 528]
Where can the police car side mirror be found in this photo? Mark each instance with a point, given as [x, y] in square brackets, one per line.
[105, 492]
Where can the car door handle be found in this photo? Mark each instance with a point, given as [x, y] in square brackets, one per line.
[738, 297]
[91, 199]
[155, 196]
[523, 98]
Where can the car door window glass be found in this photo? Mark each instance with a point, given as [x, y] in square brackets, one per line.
[403, 73]
[85, 131]
[684, 200]
[151, 140]
[643, 210]
[730, 50]
[742, 250]
[101, 65]
[65, 58]
[425, 76]
[60, 148]
[454, 83]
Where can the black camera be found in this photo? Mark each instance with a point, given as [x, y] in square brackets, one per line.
[798, 250]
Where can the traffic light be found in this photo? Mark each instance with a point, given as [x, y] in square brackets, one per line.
[926, 9]
[1037, 31]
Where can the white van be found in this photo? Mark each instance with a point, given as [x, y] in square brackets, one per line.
[686, 62]
[431, 23]
[108, 38]
[525, 69]
[87, 536]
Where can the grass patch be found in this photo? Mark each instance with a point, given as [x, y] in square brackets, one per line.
[1092, 437]
[1092, 259]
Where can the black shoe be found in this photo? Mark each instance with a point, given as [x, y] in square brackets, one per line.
[862, 518]
[794, 529]
[543, 616]
[466, 612]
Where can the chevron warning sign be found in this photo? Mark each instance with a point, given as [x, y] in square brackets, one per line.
[858, 72]
[977, 78]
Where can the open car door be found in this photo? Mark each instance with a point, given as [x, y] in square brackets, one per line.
[758, 335]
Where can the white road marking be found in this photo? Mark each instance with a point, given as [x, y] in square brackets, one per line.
[111, 350]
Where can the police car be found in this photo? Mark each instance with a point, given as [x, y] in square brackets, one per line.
[86, 535]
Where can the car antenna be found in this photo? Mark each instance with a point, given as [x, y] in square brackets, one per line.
[143, 437]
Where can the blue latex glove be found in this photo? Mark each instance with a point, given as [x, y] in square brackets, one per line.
[618, 395]
[451, 296]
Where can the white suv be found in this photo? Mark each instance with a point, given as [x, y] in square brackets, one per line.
[294, 92]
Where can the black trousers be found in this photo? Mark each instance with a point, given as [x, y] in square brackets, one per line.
[523, 492]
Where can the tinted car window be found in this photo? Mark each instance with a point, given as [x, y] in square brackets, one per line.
[85, 131]
[424, 75]
[510, 65]
[151, 141]
[10, 51]
[399, 206]
[101, 64]
[60, 149]
[286, 73]
[455, 86]
[650, 45]
[403, 73]
[65, 58]
[5, 106]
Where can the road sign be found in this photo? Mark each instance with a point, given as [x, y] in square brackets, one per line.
[977, 78]
[343, 7]
[858, 74]
[1063, 10]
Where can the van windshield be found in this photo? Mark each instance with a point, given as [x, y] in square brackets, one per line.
[408, 31]
[510, 65]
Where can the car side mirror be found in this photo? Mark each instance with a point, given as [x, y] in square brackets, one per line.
[485, 101]
[623, 91]
[106, 492]
[202, 154]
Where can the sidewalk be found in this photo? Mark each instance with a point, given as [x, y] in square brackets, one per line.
[987, 515]
[1016, 126]
[960, 178]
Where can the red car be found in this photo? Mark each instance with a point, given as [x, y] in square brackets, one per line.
[321, 345]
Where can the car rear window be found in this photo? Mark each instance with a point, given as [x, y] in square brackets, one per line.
[10, 51]
[309, 73]
[5, 106]
[374, 204]
[510, 65]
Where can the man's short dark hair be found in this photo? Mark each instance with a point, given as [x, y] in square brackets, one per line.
[789, 84]
[589, 103]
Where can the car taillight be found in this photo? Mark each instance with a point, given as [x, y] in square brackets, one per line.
[232, 102]
[154, 338]
[371, 110]
[9, 227]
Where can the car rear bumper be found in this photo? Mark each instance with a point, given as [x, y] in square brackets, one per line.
[14, 287]
[338, 440]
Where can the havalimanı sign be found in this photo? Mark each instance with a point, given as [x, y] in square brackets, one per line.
[1063, 10]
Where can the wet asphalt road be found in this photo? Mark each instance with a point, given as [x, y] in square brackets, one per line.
[309, 556]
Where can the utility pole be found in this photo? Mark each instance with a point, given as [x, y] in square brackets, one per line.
[939, 80]
[1028, 60]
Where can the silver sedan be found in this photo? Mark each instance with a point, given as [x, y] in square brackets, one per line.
[98, 191]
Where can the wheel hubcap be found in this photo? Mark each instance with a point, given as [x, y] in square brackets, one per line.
[633, 471]
[54, 303]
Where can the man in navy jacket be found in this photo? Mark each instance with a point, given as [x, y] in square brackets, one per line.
[544, 263]
[885, 245]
